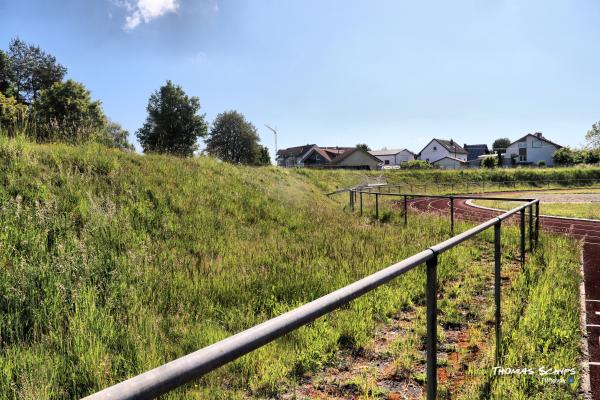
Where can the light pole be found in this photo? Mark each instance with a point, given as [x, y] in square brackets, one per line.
[274, 130]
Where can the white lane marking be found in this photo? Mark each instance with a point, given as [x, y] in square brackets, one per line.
[594, 363]
[594, 300]
[597, 313]
[593, 325]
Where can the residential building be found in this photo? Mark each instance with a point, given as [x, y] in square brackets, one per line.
[291, 156]
[450, 163]
[438, 149]
[530, 150]
[340, 157]
[393, 157]
[475, 150]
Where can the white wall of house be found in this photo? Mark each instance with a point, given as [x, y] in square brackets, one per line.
[435, 151]
[448, 163]
[396, 159]
[536, 150]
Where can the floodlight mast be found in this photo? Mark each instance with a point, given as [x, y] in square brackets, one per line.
[274, 130]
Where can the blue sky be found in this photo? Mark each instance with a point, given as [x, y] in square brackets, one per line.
[333, 72]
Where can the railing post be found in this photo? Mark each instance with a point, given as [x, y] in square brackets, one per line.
[377, 206]
[522, 224]
[497, 287]
[405, 210]
[431, 328]
[351, 200]
[537, 222]
[361, 203]
[531, 227]
[452, 215]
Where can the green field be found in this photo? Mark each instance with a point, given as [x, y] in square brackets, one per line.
[113, 263]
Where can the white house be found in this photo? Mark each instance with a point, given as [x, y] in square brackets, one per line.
[530, 149]
[393, 157]
[438, 149]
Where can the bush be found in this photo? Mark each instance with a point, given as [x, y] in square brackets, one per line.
[12, 114]
[489, 162]
[564, 156]
[416, 164]
[541, 163]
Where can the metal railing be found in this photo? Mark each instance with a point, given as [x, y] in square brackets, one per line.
[169, 376]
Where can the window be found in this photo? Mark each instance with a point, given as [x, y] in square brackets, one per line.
[523, 154]
[434, 148]
[537, 143]
[387, 162]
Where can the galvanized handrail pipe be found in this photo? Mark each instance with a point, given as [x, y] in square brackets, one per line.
[162, 379]
[175, 373]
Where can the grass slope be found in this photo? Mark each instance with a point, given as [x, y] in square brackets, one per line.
[114, 263]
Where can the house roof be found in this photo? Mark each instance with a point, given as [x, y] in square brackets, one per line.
[537, 137]
[449, 145]
[328, 153]
[475, 150]
[390, 152]
[294, 151]
[450, 158]
[350, 151]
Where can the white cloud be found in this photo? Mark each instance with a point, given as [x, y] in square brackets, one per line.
[145, 10]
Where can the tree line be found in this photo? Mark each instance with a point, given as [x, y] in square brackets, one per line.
[37, 101]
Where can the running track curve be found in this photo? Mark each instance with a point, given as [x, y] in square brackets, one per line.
[588, 232]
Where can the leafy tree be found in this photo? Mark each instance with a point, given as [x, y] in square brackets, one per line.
[173, 124]
[233, 139]
[66, 112]
[113, 135]
[6, 75]
[593, 136]
[11, 113]
[501, 144]
[33, 70]
[564, 156]
[264, 158]
[363, 146]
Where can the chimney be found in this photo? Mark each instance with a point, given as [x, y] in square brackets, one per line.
[538, 135]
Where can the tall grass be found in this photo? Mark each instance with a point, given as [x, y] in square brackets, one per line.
[113, 263]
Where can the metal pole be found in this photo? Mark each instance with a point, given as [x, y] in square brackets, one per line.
[531, 227]
[497, 287]
[522, 212]
[405, 210]
[377, 206]
[361, 203]
[452, 215]
[350, 202]
[431, 329]
[537, 223]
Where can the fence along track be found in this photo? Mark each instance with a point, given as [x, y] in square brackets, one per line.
[164, 378]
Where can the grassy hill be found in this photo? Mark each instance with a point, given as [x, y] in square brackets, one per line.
[113, 263]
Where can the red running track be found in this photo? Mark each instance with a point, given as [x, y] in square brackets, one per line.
[588, 232]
